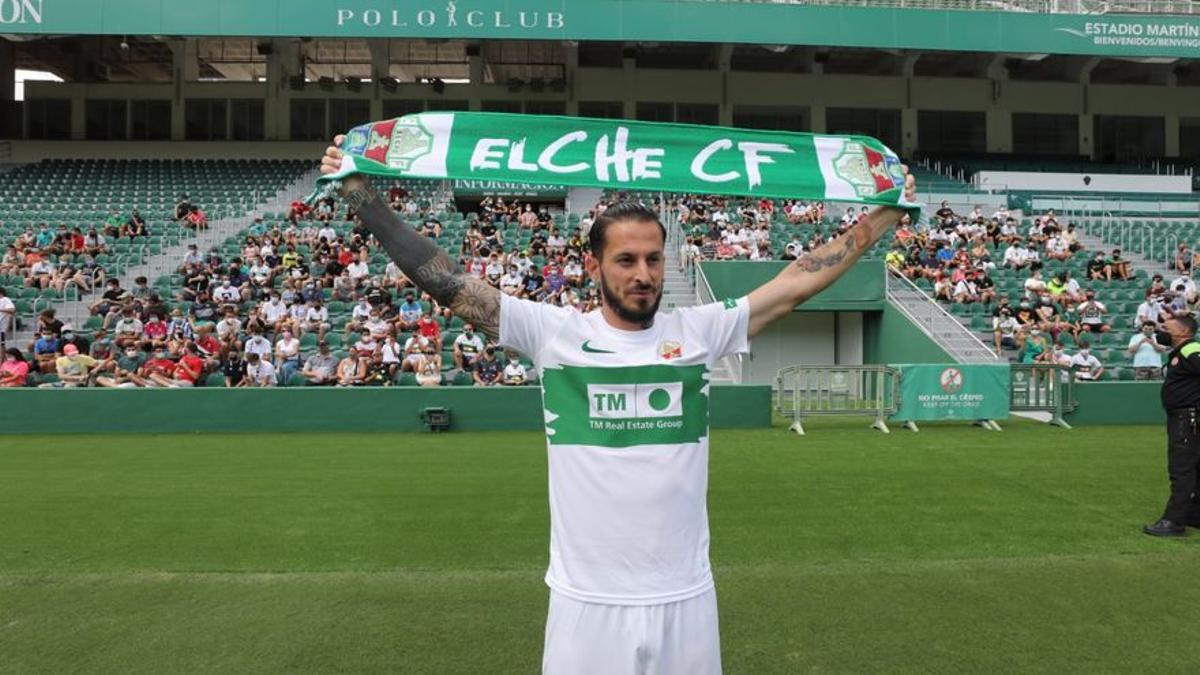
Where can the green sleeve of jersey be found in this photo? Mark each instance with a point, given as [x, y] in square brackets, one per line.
[1189, 349]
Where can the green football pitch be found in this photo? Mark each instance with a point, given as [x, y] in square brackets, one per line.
[951, 550]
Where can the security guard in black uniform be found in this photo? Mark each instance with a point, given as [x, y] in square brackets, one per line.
[1181, 399]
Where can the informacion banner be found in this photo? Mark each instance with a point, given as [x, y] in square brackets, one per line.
[953, 392]
[501, 188]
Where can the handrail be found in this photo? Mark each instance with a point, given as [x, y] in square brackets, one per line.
[937, 309]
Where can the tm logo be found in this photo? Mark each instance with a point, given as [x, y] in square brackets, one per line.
[628, 401]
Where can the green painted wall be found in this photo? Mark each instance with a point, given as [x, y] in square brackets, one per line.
[889, 337]
[310, 409]
[1117, 403]
[860, 289]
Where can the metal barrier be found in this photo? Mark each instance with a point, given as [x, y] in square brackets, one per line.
[1043, 388]
[810, 391]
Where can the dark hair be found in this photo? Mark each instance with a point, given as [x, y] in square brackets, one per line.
[617, 212]
[1188, 322]
[16, 354]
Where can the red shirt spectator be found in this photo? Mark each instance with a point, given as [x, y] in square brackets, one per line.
[77, 242]
[161, 366]
[345, 257]
[189, 368]
[300, 208]
[208, 344]
[429, 328]
[155, 330]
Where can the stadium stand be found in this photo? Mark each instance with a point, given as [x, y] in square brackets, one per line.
[309, 293]
[68, 225]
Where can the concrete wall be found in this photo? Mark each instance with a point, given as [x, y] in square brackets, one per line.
[889, 337]
[302, 409]
[809, 92]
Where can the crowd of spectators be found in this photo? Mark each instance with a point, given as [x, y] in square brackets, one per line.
[262, 317]
[62, 258]
[958, 256]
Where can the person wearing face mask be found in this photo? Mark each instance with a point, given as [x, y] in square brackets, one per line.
[514, 373]
[1180, 396]
[1035, 345]
[467, 348]
[1147, 353]
[1085, 364]
[127, 373]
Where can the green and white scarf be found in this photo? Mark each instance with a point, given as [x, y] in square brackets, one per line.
[643, 156]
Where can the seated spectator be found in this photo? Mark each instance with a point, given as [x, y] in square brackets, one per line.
[14, 369]
[965, 291]
[75, 369]
[316, 320]
[1098, 268]
[1034, 345]
[488, 369]
[351, 371]
[287, 357]
[391, 354]
[259, 371]
[162, 365]
[1016, 256]
[154, 331]
[1091, 314]
[1119, 265]
[429, 367]
[1151, 311]
[1183, 259]
[467, 348]
[126, 372]
[1005, 330]
[984, 286]
[196, 219]
[228, 329]
[257, 344]
[187, 371]
[1146, 352]
[321, 368]
[378, 373]
[430, 329]
[46, 351]
[358, 316]
[1035, 287]
[365, 346]
[1085, 364]
[514, 373]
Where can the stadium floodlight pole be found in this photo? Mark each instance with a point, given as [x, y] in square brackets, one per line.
[429, 267]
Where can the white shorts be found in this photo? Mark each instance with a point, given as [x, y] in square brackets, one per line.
[676, 638]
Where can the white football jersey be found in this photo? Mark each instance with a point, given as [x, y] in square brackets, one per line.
[627, 438]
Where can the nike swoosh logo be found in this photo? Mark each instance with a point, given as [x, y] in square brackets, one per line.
[592, 350]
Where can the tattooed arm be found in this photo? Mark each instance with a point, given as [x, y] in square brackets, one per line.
[814, 271]
[418, 256]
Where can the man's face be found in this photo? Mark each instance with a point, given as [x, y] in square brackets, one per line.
[630, 273]
[1178, 332]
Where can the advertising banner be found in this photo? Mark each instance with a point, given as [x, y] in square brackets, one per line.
[773, 23]
[953, 392]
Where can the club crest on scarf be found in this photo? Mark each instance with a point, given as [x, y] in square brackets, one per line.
[865, 169]
[398, 143]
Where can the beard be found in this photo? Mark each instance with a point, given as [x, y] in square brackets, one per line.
[642, 314]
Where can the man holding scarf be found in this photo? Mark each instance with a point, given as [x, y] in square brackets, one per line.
[625, 396]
